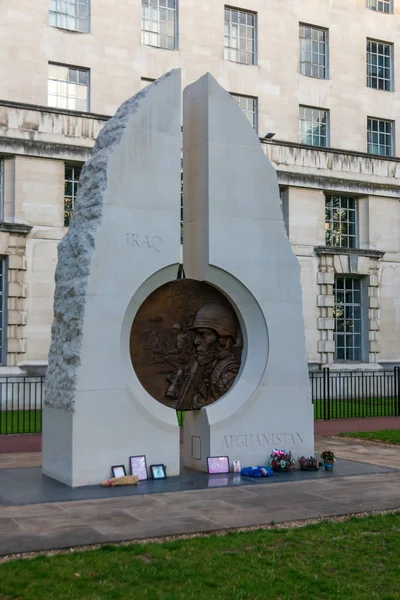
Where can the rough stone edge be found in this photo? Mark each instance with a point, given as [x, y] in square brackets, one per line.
[75, 253]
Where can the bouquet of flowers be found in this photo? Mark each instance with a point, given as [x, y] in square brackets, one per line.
[281, 460]
[327, 456]
[308, 464]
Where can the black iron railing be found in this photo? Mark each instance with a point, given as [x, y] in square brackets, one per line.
[21, 404]
[353, 394]
[335, 395]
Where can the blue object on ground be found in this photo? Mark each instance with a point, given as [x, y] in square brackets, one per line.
[257, 472]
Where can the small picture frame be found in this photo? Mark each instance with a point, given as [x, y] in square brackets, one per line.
[236, 466]
[118, 471]
[158, 472]
[218, 464]
[138, 467]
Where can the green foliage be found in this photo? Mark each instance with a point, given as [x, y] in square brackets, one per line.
[20, 421]
[346, 409]
[352, 560]
[390, 436]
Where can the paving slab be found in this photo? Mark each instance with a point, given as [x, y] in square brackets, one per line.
[38, 513]
[29, 486]
[52, 526]
[362, 451]
[19, 460]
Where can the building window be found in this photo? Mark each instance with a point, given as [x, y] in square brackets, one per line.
[248, 104]
[379, 65]
[3, 310]
[70, 14]
[348, 318]
[341, 221]
[240, 36]
[72, 174]
[380, 137]
[160, 23]
[1, 190]
[314, 125]
[313, 51]
[68, 87]
[384, 6]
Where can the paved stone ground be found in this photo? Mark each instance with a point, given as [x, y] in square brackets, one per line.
[51, 525]
[59, 525]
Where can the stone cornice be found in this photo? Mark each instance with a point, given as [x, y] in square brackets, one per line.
[15, 228]
[357, 251]
[51, 109]
[320, 149]
[43, 149]
[336, 184]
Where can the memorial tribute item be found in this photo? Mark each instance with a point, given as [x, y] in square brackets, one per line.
[236, 466]
[186, 344]
[118, 471]
[158, 472]
[124, 480]
[218, 464]
[138, 467]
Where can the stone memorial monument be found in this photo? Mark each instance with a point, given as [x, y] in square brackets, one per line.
[132, 343]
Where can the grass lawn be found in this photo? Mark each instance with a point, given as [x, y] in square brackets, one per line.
[347, 409]
[390, 436]
[349, 560]
[22, 421]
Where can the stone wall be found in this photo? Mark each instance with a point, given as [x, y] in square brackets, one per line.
[117, 60]
[13, 246]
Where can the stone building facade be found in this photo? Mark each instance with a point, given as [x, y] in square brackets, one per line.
[318, 80]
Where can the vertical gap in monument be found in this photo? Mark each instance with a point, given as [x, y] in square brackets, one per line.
[181, 271]
[180, 414]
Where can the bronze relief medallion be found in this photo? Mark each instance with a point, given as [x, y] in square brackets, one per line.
[186, 344]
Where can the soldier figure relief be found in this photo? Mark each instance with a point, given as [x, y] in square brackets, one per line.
[196, 361]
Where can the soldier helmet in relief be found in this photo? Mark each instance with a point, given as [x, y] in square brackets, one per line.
[218, 317]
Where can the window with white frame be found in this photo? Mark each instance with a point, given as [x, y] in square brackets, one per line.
[1, 190]
[160, 23]
[3, 310]
[341, 221]
[72, 174]
[380, 137]
[70, 14]
[384, 6]
[313, 51]
[314, 126]
[240, 36]
[248, 104]
[380, 65]
[348, 318]
[68, 87]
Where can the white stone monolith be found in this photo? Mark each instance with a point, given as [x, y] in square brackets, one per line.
[234, 239]
[124, 242]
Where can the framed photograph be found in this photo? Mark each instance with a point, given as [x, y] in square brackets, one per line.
[218, 464]
[118, 471]
[236, 466]
[158, 472]
[138, 467]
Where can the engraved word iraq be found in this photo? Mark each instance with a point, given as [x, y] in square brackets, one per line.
[144, 241]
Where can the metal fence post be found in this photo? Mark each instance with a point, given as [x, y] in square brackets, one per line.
[397, 389]
[327, 408]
